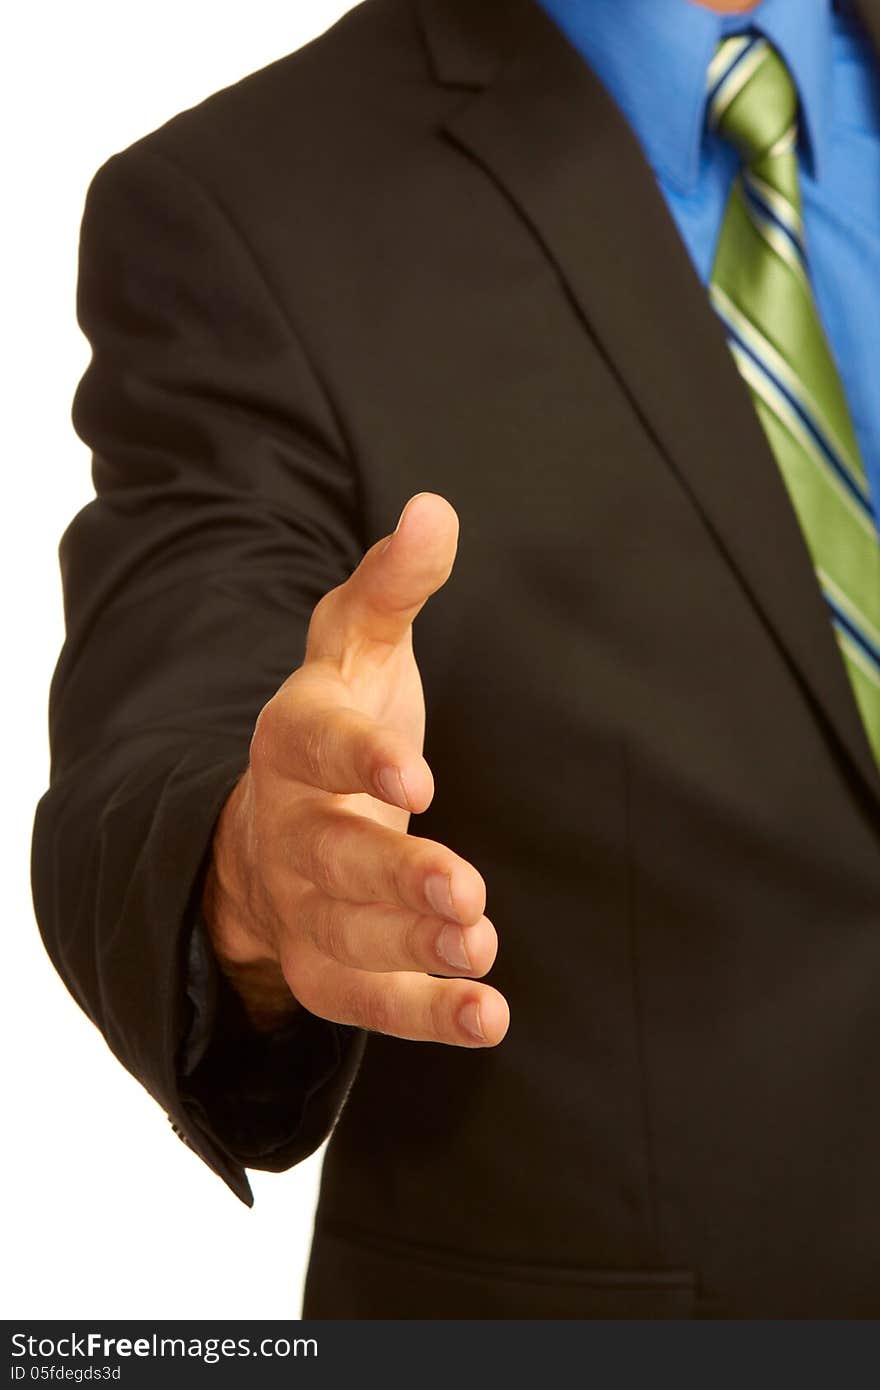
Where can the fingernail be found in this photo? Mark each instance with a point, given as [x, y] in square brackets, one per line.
[450, 945]
[469, 1019]
[438, 892]
[390, 784]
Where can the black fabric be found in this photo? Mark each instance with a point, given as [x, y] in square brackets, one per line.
[204, 986]
[426, 253]
[251, 1090]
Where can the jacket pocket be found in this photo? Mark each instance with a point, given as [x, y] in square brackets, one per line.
[365, 1277]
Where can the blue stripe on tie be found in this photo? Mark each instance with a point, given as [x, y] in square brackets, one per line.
[740, 57]
[817, 434]
[766, 211]
[861, 639]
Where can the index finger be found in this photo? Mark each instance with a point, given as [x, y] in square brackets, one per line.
[307, 735]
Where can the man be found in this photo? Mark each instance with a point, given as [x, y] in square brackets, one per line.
[598, 282]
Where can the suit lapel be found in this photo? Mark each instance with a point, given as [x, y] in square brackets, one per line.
[544, 128]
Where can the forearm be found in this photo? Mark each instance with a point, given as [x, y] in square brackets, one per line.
[120, 849]
[187, 595]
[119, 845]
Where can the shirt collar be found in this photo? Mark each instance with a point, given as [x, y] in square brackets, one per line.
[653, 56]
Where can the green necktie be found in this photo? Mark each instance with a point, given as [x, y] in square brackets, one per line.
[761, 289]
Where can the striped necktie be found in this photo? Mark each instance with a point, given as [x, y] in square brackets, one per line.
[760, 287]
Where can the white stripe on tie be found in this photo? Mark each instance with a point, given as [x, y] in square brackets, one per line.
[737, 79]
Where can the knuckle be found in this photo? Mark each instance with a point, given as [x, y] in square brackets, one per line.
[374, 1009]
[334, 936]
[313, 749]
[367, 753]
[414, 946]
[410, 869]
[308, 915]
[438, 1014]
[322, 853]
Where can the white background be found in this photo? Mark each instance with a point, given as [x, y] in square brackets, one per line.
[105, 1213]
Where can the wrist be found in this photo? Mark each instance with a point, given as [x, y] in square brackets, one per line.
[246, 956]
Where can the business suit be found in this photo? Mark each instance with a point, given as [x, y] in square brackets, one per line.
[390, 263]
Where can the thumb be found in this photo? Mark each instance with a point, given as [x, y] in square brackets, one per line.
[399, 573]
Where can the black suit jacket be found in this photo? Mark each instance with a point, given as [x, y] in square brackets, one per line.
[426, 252]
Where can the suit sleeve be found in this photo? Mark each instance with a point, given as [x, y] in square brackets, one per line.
[225, 506]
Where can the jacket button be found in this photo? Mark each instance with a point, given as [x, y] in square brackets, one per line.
[184, 1138]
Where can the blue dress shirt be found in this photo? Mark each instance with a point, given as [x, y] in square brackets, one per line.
[653, 56]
